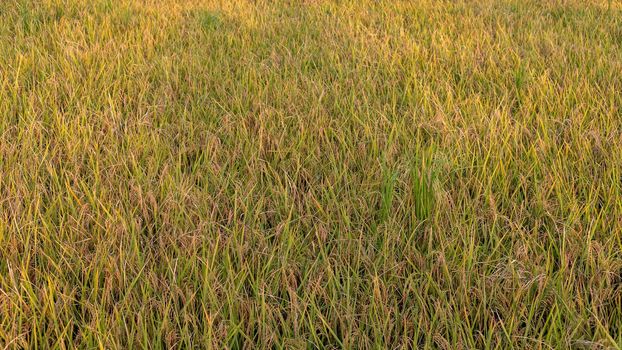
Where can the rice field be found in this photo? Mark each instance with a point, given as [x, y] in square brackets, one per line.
[328, 174]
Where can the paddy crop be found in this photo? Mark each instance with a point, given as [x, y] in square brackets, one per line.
[310, 174]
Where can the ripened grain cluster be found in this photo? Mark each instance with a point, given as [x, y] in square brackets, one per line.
[310, 174]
